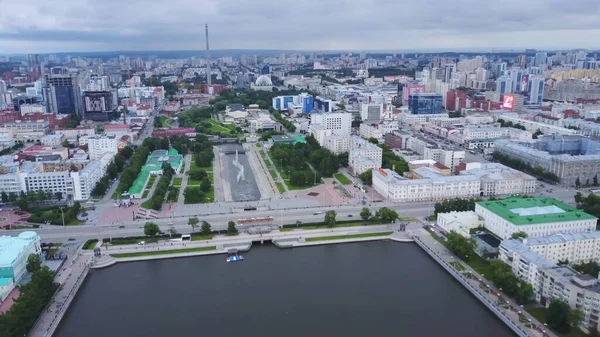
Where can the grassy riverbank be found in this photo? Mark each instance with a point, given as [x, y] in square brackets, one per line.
[351, 236]
[165, 252]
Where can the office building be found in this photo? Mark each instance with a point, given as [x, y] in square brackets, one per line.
[3, 87]
[371, 112]
[541, 58]
[411, 89]
[535, 216]
[340, 123]
[14, 251]
[98, 104]
[363, 155]
[303, 100]
[504, 85]
[323, 105]
[62, 93]
[21, 100]
[425, 104]
[431, 186]
[101, 144]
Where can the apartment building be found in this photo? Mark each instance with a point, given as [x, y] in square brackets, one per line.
[377, 130]
[84, 181]
[498, 180]
[99, 145]
[337, 144]
[339, 122]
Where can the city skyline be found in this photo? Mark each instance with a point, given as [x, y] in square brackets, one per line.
[93, 25]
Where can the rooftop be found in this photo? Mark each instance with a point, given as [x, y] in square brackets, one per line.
[11, 247]
[533, 211]
[526, 254]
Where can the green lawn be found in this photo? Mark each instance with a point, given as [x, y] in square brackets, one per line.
[353, 236]
[193, 165]
[151, 180]
[286, 229]
[257, 144]
[343, 179]
[540, 315]
[165, 252]
[280, 187]
[337, 225]
[296, 188]
[147, 204]
[145, 194]
[177, 181]
[476, 262]
[273, 174]
[196, 237]
[192, 182]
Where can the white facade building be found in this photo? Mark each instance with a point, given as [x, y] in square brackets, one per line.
[535, 216]
[371, 112]
[499, 180]
[84, 181]
[337, 144]
[76, 132]
[52, 140]
[99, 145]
[377, 130]
[339, 122]
[363, 155]
[459, 222]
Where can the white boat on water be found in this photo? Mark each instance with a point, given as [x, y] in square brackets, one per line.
[234, 256]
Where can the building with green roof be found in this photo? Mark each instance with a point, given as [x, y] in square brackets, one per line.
[153, 166]
[535, 216]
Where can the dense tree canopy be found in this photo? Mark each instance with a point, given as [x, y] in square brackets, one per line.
[517, 164]
[455, 205]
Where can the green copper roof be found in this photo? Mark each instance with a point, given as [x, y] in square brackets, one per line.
[533, 211]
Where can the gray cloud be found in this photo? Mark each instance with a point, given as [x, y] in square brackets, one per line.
[80, 25]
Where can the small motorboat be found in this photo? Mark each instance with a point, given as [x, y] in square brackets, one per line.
[233, 256]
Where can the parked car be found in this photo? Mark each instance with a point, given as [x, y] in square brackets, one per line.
[122, 226]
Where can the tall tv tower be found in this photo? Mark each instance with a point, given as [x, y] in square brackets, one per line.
[208, 74]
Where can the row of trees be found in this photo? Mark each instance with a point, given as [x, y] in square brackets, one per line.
[112, 171]
[56, 215]
[587, 182]
[286, 123]
[589, 204]
[130, 173]
[11, 149]
[383, 215]
[561, 318]
[30, 196]
[498, 272]
[509, 124]
[455, 205]
[193, 195]
[517, 164]
[34, 297]
[158, 197]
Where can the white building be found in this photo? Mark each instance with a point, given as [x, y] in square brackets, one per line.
[321, 133]
[459, 222]
[99, 145]
[429, 149]
[52, 140]
[32, 108]
[363, 155]
[533, 126]
[535, 216]
[377, 130]
[435, 186]
[84, 181]
[339, 123]
[72, 134]
[26, 130]
[499, 180]
[337, 144]
[410, 119]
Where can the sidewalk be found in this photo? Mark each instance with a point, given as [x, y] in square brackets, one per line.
[70, 277]
[187, 163]
[485, 288]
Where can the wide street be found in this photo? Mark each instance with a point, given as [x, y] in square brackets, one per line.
[50, 233]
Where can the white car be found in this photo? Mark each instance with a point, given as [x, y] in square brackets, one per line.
[141, 243]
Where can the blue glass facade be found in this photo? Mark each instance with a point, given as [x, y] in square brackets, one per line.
[265, 70]
[425, 104]
[308, 104]
[65, 102]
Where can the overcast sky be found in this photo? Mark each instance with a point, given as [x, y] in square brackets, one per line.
[28, 26]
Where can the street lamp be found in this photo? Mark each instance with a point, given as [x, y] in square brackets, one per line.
[63, 216]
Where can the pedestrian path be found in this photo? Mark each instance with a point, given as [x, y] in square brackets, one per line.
[187, 163]
[507, 306]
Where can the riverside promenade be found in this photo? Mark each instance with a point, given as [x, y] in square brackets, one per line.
[517, 319]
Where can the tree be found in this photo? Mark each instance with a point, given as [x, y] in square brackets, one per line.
[193, 221]
[197, 174]
[58, 195]
[564, 262]
[578, 198]
[4, 197]
[193, 195]
[595, 180]
[40, 195]
[231, 230]
[205, 185]
[330, 218]
[205, 229]
[460, 245]
[386, 215]
[577, 183]
[367, 177]
[517, 235]
[34, 263]
[524, 292]
[151, 229]
[559, 316]
[365, 214]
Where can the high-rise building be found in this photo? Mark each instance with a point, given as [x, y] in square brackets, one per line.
[448, 70]
[516, 75]
[425, 104]
[339, 123]
[540, 58]
[98, 104]
[62, 92]
[33, 62]
[98, 146]
[3, 87]
[535, 89]
[504, 86]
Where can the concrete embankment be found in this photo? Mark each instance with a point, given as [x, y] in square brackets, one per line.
[464, 281]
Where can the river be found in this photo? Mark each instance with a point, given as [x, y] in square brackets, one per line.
[361, 289]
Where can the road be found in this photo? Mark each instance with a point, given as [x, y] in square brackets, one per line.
[218, 221]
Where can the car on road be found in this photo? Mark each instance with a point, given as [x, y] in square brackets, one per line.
[141, 243]
[350, 215]
[317, 213]
[140, 226]
[71, 239]
[122, 226]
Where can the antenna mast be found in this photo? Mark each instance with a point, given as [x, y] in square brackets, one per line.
[208, 72]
